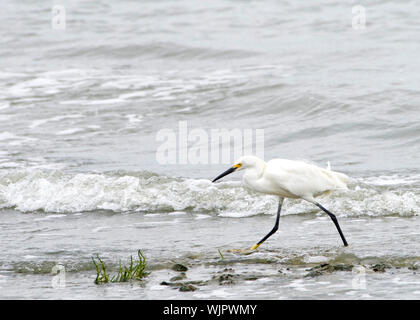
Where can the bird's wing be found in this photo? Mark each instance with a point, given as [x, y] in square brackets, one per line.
[303, 179]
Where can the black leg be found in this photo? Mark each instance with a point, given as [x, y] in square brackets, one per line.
[334, 219]
[275, 228]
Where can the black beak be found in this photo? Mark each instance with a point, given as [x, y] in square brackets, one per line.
[230, 170]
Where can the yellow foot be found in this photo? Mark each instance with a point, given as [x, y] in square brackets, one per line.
[254, 247]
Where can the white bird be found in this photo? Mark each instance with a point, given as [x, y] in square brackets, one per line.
[289, 179]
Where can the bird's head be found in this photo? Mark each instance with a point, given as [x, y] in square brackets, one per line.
[244, 162]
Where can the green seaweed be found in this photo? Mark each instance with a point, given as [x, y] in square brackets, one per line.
[221, 255]
[101, 275]
[134, 271]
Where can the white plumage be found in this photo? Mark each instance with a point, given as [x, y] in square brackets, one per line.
[290, 179]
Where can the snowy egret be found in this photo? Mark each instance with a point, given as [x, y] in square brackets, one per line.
[289, 179]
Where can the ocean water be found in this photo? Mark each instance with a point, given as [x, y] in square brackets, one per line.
[81, 108]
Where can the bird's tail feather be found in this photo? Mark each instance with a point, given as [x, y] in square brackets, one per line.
[342, 178]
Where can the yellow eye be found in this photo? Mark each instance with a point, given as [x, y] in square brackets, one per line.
[237, 165]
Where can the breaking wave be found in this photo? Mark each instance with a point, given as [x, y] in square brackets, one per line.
[55, 191]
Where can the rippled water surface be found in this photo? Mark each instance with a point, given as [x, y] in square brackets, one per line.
[80, 109]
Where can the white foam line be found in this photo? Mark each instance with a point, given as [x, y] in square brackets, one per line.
[5, 105]
[39, 122]
[69, 131]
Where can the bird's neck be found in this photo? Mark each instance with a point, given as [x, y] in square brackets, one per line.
[256, 172]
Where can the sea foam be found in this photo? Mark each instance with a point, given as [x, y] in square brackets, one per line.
[55, 191]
